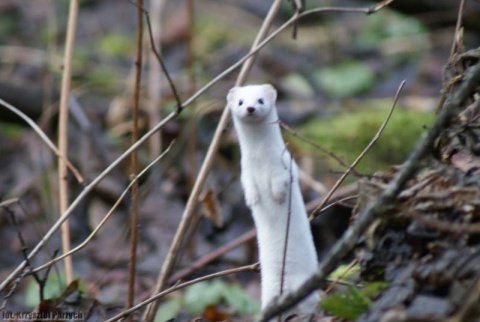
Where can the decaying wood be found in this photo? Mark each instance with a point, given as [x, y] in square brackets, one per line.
[428, 246]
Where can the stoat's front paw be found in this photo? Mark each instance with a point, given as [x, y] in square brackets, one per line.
[251, 197]
[279, 191]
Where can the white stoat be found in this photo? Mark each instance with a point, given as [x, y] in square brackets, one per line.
[268, 176]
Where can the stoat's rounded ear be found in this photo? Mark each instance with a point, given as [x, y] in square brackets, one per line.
[231, 93]
[271, 92]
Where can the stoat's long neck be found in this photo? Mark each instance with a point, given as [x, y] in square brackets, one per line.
[260, 138]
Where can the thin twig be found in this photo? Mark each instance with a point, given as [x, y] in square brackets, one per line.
[457, 35]
[126, 313]
[63, 134]
[191, 128]
[234, 243]
[107, 216]
[287, 233]
[337, 202]
[377, 206]
[360, 157]
[44, 138]
[162, 64]
[338, 278]
[444, 226]
[314, 144]
[12, 290]
[341, 192]
[41, 281]
[453, 52]
[132, 263]
[379, 6]
[155, 79]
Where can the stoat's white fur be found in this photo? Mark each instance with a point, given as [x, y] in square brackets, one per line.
[267, 170]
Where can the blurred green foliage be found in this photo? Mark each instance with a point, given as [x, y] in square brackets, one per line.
[348, 133]
[116, 45]
[387, 25]
[54, 287]
[345, 79]
[198, 296]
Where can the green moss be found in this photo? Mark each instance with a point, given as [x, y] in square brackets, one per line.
[348, 133]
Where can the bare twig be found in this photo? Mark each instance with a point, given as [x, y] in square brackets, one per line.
[342, 192]
[13, 289]
[377, 207]
[249, 235]
[456, 48]
[124, 314]
[192, 128]
[162, 64]
[337, 202]
[155, 79]
[41, 281]
[287, 233]
[445, 226]
[132, 263]
[338, 278]
[44, 138]
[314, 144]
[457, 42]
[108, 215]
[379, 6]
[63, 133]
[360, 157]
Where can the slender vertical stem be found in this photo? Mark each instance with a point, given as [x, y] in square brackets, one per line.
[63, 133]
[192, 130]
[192, 141]
[155, 78]
[134, 161]
[287, 233]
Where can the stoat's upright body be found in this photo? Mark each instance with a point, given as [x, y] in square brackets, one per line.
[268, 175]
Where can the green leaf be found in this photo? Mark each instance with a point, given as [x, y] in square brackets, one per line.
[348, 305]
[240, 301]
[54, 287]
[199, 295]
[168, 309]
[345, 79]
[344, 271]
[372, 289]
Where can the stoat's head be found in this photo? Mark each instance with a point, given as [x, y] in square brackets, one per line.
[253, 103]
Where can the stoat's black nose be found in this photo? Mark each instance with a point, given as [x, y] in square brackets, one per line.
[250, 110]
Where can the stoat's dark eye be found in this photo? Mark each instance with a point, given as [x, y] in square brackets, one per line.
[260, 100]
[240, 102]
